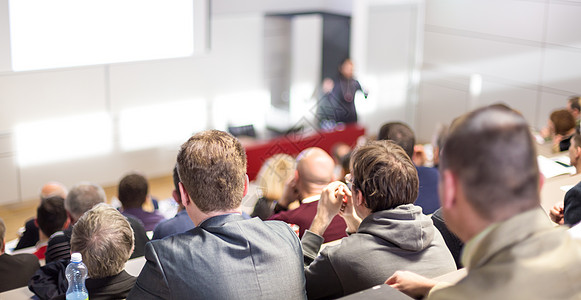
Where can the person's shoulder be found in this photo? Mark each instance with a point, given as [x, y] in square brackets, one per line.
[24, 258]
[429, 171]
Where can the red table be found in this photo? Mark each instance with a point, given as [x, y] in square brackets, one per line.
[259, 151]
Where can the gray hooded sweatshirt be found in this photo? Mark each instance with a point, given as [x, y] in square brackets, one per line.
[402, 238]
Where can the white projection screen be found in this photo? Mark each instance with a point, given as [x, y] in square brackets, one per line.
[46, 34]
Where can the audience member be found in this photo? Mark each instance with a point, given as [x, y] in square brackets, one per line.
[80, 199]
[271, 180]
[105, 239]
[574, 107]
[51, 217]
[314, 172]
[338, 152]
[438, 143]
[560, 128]
[453, 243]
[394, 234]
[15, 270]
[133, 191]
[403, 135]
[178, 224]
[225, 256]
[490, 200]
[30, 236]
[569, 211]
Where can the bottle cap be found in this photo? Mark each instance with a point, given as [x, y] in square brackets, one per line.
[76, 257]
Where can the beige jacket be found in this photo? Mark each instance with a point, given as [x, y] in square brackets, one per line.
[525, 257]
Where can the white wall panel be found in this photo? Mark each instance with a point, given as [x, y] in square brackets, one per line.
[563, 23]
[104, 170]
[549, 103]
[48, 95]
[521, 99]
[458, 54]
[234, 64]
[508, 18]
[438, 105]
[562, 69]
[8, 180]
[5, 65]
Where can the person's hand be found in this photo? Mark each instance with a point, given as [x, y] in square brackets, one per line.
[347, 210]
[328, 85]
[328, 207]
[290, 193]
[411, 284]
[557, 213]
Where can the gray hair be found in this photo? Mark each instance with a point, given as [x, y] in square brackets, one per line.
[105, 239]
[82, 198]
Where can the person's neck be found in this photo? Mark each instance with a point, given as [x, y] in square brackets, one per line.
[200, 217]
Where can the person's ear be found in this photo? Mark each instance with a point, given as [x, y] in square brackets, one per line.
[541, 181]
[184, 195]
[358, 198]
[450, 185]
[246, 186]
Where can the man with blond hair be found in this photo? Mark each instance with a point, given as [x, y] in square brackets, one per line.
[225, 256]
[104, 238]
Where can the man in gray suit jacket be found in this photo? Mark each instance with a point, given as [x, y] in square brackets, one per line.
[225, 256]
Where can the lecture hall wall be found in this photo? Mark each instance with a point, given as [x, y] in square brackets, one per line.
[424, 62]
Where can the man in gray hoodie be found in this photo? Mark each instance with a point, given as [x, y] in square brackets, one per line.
[386, 230]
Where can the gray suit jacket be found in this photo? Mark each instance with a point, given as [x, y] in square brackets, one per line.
[225, 257]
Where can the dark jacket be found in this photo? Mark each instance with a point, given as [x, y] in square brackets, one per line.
[16, 270]
[50, 283]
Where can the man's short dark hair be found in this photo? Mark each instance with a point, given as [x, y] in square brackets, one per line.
[491, 151]
[385, 175]
[212, 168]
[51, 215]
[133, 190]
[400, 134]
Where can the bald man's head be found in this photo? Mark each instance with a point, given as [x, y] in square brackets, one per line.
[52, 189]
[315, 170]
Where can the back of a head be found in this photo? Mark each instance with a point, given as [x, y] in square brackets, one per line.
[212, 168]
[2, 235]
[51, 215]
[132, 190]
[385, 175]
[399, 133]
[491, 151]
[274, 173]
[52, 188]
[83, 197]
[315, 168]
[105, 239]
[563, 121]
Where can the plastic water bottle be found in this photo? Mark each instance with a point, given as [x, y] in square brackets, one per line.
[76, 273]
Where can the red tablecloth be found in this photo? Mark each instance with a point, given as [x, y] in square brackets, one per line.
[258, 151]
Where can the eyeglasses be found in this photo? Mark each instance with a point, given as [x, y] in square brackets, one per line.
[349, 180]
